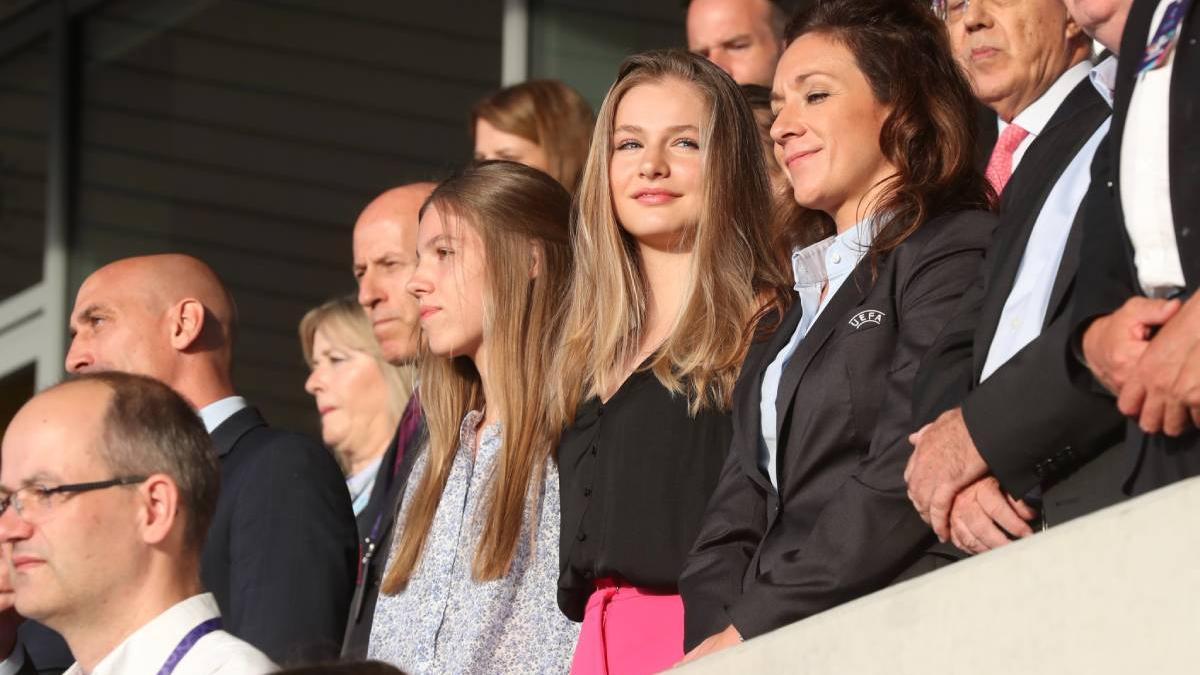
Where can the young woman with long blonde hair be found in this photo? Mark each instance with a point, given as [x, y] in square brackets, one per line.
[672, 266]
[469, 586]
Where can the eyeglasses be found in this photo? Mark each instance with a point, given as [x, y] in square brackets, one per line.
[33, 502]
[950, 11]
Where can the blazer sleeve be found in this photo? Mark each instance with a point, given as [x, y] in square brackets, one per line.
[733, 526]
[1028, 420]
[868, 532]
[292, 553]
[947, 369]
[1105, 279]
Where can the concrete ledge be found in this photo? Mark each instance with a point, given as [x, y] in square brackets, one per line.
[1115, 592]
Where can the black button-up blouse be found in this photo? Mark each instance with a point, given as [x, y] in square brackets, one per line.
[636, 474]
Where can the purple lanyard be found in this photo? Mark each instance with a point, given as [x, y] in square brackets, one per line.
[185, 645]
[1159, 49]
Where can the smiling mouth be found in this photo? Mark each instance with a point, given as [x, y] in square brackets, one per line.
[796, 157]
[655, 197]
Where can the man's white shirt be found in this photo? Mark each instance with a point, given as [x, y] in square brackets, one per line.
[148, 648]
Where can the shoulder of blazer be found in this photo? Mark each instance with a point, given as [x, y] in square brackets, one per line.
[945, 235]
[228, 433]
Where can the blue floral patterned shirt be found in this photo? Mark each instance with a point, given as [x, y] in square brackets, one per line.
[445, 621]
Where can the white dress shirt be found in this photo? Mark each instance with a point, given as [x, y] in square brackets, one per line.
[147, 649]
[217, 412]
[830, 260]
[1145, 188]
[1025, 308]
[1036, 115]
[12, 665]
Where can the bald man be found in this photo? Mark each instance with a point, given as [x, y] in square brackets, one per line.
[280, 554]
[742, 37]
[385, 254]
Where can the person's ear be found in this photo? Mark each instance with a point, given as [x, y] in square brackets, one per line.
[159, 508]
[535, 261]
[187, 323]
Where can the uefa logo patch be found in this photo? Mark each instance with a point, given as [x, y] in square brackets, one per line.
[867, 317]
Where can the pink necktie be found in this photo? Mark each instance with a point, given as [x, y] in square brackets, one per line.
[1000, 166]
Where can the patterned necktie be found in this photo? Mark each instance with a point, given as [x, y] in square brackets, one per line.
[1000, 166]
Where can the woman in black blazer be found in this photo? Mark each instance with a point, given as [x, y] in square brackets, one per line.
[875, 127]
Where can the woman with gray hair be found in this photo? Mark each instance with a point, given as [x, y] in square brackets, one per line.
[359, 395]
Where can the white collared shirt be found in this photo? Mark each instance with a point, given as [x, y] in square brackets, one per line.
[147, 649]
[830, 260]
[1145, 179]
[1036, 115]
[12, 665]
[217, 412]
[1024, 311]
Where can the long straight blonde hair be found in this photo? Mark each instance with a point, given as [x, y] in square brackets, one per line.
[734, 274]
[521, 216]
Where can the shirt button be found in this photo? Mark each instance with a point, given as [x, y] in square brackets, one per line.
[1185, 232]
[837, 258]
[580, 537]
[593, 451]
[587, 492]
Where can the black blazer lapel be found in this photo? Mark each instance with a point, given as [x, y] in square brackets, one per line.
[229, 432]
[850, 295]
[749, 405]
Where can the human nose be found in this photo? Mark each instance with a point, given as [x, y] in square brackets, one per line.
[369, 293]
[315, 382]
[419, 284]
[720, 58]
[654, 163]
[79, 357]
[787, 125]
[975, 15]
[12, 525]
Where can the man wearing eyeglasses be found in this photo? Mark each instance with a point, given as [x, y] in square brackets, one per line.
[107, 487]
[280, 555]
[1013, 428]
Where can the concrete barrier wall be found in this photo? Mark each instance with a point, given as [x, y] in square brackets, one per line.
[1115, 592]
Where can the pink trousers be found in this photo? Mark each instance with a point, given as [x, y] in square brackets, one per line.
[628, 631]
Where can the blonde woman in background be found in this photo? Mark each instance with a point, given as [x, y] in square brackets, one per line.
[540, 123]
[359, 395]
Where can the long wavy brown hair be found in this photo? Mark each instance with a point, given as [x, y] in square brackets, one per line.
[734, 270]
[903, 50]
[515, 210]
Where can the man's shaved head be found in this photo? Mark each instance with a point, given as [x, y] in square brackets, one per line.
[385, 254]
[742, 37]
[166, 316]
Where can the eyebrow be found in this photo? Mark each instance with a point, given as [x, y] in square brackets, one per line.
[635, 129]
[735, 38]
[805, 75]
[436, 239]
[89, 311]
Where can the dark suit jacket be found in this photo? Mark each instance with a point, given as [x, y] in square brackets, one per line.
[1032, 426]
[280, 555]
[380, 513]
[1110, 277]
[987, 131]
[840, 526]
